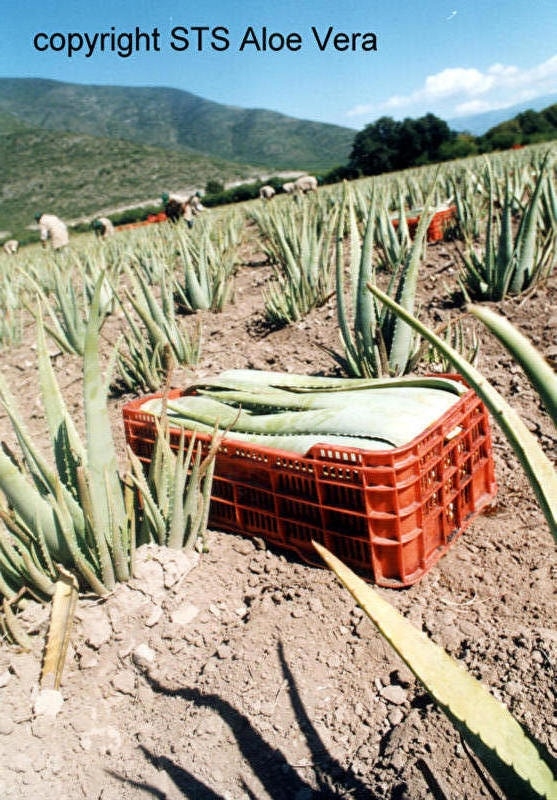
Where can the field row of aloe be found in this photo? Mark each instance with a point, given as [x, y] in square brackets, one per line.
[77, 511]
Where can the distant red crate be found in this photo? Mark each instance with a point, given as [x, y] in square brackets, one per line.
[436, 229]
[388, 514]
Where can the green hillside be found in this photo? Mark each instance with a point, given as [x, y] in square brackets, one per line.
[172, 118]
[75, 175]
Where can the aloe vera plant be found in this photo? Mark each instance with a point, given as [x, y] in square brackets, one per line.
[208, 260]
[77, 512]
[510, 264]
[509, 754]
[68, 306]
[379, 343]
[175, 492]
[67, 310]
[298, 243]
[78, 515]
[394, 243]
[11, 323]
[144, 360]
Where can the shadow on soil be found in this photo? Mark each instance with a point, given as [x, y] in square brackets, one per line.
[278, 778]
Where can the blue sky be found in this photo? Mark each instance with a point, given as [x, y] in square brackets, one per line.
[450, 58]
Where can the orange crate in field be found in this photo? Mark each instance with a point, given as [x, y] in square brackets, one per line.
[436, 229]
[388, 514]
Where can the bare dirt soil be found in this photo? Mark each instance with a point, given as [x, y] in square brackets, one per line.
[245, 673]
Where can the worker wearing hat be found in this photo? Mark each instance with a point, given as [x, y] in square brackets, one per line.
[103, 227]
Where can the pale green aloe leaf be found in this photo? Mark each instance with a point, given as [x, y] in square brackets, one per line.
[155, 521]
[342, 313]
[56, 412]
[510, 755]
[31, 506]
[193, 507]
[526, 238]
[177, 519]
[103, 479]
[365, 316]
[537, 466]
[540, 374]
[402, 343]
[260, 379]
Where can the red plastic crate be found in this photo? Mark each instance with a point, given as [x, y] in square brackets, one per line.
[436, 229]
[388, 514]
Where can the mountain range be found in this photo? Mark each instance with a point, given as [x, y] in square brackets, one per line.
[175, 119]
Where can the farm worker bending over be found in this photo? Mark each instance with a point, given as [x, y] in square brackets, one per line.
[51, 227]
[11, 247]
[196, 204]
[177, 208]
[103, 227]
[173, 207]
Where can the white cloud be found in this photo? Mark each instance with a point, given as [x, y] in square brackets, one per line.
[456, 80]
[456, 91]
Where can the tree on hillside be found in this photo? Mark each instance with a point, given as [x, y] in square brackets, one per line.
[387, 145]
[550, 114]
[375, 147]
[462, 146]
[527, 127]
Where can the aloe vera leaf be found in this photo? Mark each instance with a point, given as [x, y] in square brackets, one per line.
[242, 378]
[192, 496]
[161, 470]
[193, 287]
[36, 575]
[293, 443]
[303, 391]
[58, 420]
[204, 270]
[30, 505]
[15, 629]
[355, 244]
[107, 503]
[10, 583]
[153, 328]
[505, 258]
[403, 229]
[43, 476]
[403, 336]
[385, 414]
[208, 468]
[86, 561]
[489, 271]
[12, 564]
[537, 466]
[151, 510]
[368, 422]
[177, 521]
[120, 539]
[463, 698]
[62, 613]
[342, 313]
[376, 411]
[539, 373]
[365, 317]
[34, 540]
[526, 238]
